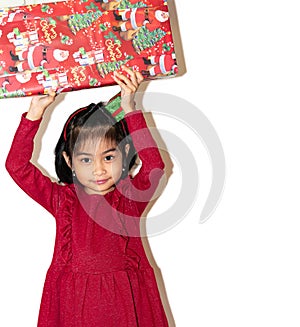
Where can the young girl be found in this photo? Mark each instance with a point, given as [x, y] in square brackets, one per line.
[99, 275]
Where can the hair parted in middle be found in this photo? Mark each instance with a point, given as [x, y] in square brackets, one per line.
[94, 123]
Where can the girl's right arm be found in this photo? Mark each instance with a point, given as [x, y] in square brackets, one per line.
[25, 174]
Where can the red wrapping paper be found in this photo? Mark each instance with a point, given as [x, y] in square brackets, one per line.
[74, 45]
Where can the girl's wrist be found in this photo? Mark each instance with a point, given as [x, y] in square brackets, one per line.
[128, 107]
[34, 114]
[128, 111]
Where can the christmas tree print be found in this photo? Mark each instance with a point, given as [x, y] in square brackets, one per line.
[93, 82]
[146, 39]
[127, 4]
[47, 9]
[109, 67]
[5, 94]
[78, 22]
[112, 36]
[103, 27]
[114, 107]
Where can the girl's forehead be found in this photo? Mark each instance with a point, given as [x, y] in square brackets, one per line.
[93, 146]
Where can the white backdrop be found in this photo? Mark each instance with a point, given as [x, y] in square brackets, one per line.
[239, 268]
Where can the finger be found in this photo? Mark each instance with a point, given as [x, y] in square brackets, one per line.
[132, 75]
[117, 77]
[51, 93]
[48, 99]
[51, 98]
[139, 77]
[122, 77]
[123, 86]
[35, 99]
[127, 70]
[125, 82]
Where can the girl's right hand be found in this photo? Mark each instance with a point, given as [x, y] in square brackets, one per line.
[39, 104]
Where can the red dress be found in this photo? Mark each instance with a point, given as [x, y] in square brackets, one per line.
[99, 276]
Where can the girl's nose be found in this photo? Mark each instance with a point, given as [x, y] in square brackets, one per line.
[99, 169]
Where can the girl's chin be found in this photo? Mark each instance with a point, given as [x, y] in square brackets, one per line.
[99, 191]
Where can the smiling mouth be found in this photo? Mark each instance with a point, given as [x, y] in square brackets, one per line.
[101, 181]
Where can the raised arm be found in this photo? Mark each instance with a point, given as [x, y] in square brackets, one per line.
[146, 181]
[18, 164]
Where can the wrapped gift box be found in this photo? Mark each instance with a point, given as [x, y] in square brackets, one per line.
[78, 44]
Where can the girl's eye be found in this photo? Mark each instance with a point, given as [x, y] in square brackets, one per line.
[109, 158]
[86, 160]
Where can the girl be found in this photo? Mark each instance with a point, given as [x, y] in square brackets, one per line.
[99, 274]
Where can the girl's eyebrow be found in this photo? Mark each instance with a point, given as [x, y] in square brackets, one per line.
[89, 154]
[82, 154]
[109, 150]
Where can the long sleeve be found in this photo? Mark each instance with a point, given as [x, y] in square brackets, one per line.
[29, 178]
[146, 181]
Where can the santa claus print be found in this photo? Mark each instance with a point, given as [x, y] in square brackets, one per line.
[14, 16]
[113, 4]
[109, 4]
[160, 65]
[133, 19]
[37, 56]
[11, 83]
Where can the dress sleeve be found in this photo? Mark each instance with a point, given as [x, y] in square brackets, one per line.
[29, 178]
[147, 179]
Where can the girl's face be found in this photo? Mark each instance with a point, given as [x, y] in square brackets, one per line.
[98, 167]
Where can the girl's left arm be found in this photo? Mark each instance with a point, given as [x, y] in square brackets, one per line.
[146, 181]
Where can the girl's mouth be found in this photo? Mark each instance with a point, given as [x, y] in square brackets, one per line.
[101, 181]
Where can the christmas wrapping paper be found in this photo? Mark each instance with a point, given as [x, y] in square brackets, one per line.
[78, 44]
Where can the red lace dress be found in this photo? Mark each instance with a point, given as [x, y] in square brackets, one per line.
[99, 274]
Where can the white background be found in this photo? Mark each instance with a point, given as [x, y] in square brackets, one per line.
[241, 267]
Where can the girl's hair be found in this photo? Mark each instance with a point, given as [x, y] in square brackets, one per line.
[93, 122]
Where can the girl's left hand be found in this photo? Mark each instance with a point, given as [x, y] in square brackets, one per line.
[129, 85]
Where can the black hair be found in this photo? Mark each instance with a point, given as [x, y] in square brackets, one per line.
[93, 121]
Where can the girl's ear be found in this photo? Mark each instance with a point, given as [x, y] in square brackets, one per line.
[127, 148]
[67, 159]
